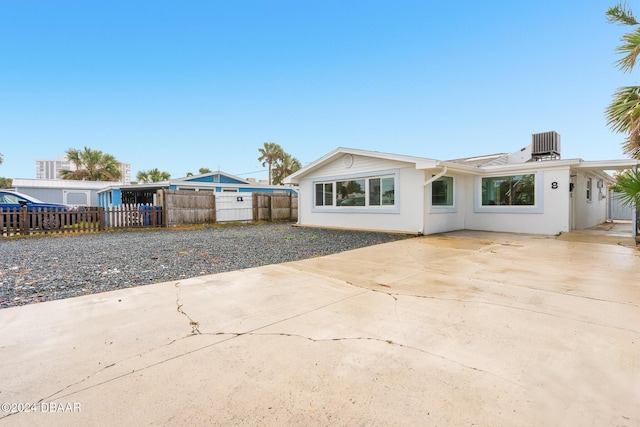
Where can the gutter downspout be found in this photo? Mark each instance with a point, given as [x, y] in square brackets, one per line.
[436, 177]
[429, 181]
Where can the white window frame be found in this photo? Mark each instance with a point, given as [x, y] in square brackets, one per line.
[589, 188]
[395, 208]
[444, 208]
[537, 207]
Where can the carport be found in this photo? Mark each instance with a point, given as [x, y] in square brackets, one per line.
[628, 227]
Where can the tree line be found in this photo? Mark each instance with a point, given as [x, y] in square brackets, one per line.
[95, 165]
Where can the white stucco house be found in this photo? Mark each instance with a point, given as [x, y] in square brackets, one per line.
[529, 191]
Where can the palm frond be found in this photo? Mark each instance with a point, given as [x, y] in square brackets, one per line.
[624, 108]
[628, 187]
[623, 116]
[630, 49]
[621, 14]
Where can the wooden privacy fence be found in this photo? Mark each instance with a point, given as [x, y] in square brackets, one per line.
[24, 221]
[183, 207]
[275, 207]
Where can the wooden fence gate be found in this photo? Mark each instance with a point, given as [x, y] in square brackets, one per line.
[275, 207]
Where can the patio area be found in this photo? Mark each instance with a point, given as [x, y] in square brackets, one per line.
[617, 232]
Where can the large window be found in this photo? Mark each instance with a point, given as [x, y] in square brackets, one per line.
[381, 192]
[442, 191]
[360, 192]
[324, 194]
[513, 190]
[350, 193]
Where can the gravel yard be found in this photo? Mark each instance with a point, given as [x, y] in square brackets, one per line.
[33, 270]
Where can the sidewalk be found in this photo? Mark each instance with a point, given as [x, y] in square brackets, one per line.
[457, 329]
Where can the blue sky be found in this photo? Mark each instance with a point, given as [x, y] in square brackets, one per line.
[184, 85]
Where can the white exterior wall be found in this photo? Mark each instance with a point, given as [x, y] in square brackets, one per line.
[588, 213]
[439, 219]
[552, 205]
[409, 197]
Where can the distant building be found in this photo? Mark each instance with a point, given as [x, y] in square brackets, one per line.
[50, 169]
[66, 191]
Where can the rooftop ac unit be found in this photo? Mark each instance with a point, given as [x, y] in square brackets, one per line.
[545, 146]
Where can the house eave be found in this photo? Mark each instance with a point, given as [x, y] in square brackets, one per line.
[294, 178]
[608, 165]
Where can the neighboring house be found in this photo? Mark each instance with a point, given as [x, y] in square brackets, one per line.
[68, 192]
[529, 191]
[218, 182]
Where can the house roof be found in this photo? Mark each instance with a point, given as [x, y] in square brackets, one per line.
[212, 174]
[476, 165]
[61, 183]
[341, 151]
[202, 181]
[478, 160]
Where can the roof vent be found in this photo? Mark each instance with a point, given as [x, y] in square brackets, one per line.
[545, 146]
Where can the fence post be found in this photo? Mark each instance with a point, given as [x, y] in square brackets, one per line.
[254, 206]
[101, 221]
[165, 211]
[24, 221]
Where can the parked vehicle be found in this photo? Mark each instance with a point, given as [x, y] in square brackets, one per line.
[50, 219]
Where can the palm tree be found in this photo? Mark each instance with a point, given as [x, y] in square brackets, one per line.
[6, 182]
[152, 175]
[623, 117]
[623, 114]
[285, 166]
[628, 187]
[268, 155]
[143, 177]
[202, 171]
[92, 165]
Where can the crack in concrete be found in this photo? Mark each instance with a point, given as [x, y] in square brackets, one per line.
[88, 377]
[194, 325]
[394, 294]
[233, 335]
[390, 342]
[133, 371]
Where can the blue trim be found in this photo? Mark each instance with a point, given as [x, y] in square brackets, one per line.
[227, 180]
[201, 179]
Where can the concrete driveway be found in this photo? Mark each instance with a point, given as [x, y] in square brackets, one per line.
[459, 329]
